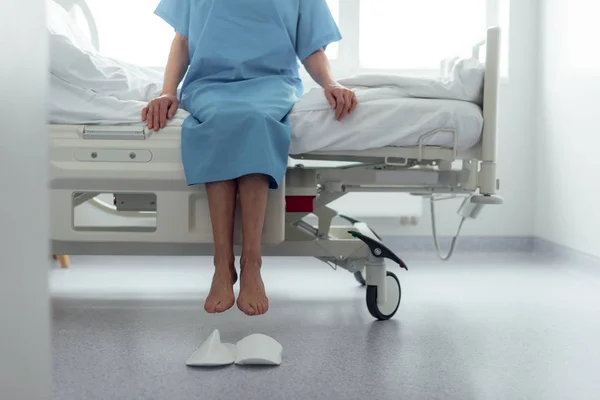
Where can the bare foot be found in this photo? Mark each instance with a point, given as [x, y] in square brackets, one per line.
[253, 299]
[221, 297]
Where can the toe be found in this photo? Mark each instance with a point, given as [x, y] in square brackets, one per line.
[246, 307]
[249, 309]
[263, 307]
[209, 307]
[219, 307]
[259, 309]
[223, 306]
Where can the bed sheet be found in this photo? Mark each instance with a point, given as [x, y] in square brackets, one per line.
[383, 118]
[398, 122]
[380, 121]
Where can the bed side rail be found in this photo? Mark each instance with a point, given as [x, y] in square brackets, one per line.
[488, 181]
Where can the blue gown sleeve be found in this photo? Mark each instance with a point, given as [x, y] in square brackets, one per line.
[177, 14]
[316, 28]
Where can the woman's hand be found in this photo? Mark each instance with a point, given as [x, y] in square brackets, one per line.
[159, 111]
[341, 99]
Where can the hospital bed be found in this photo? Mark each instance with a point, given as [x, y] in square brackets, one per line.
[134, 174]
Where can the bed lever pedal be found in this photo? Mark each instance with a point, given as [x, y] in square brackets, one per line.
[378, 249]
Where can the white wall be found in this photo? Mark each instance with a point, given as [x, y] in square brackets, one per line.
[516, 151]
[24, 263]
[567, 210]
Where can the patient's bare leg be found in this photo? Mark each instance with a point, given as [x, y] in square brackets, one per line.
[222, 200]
[253, 190]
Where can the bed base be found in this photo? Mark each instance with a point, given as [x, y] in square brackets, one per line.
[182, 225]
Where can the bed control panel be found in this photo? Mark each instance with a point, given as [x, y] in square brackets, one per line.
[113, 155]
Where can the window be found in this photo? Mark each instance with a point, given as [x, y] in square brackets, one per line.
[417, 35]
[403, 36]
[129, 31]
[413, 36]
[334, 49]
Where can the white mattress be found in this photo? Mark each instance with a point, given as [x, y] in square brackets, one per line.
[89, 89]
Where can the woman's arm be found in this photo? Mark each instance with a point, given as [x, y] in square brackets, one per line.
[179, 61]
[165, 107]
[341, 99]
[319, 68]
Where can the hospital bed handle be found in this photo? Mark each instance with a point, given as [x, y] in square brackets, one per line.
[91, 21]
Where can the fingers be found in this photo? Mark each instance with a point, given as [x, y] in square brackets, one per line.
[149, 113]
[158, 111]
[156, 117]
[162, 113]
[347, 103]
[172, 110]
[339, 110]
[354, 104]
[343, 101]
[331, 100]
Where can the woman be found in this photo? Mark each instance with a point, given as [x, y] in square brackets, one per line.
[241, 59]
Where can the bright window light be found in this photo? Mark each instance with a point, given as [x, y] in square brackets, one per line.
[333, 49]
[134, 34]
[129, 31]
[504, 23]
[379, 35]
[415, 35]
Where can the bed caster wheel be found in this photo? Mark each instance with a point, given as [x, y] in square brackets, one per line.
[360, 278]
[385, 310]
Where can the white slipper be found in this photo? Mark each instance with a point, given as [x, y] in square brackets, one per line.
[259, 350]
[255, 349]
[213, 353]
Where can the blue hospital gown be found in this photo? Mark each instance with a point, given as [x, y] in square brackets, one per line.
[243, 81]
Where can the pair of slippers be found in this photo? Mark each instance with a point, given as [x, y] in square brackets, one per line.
[255, 349]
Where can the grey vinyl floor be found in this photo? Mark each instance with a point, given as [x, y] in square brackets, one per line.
[504, 326]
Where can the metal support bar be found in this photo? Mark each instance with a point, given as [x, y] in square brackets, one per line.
[80, 198]
[326, 216]
[339, 249]
[356, 177]
[468, 178]
[326, 198]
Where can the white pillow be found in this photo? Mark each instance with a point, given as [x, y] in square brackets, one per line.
[74, 60]
[103, 75]
[59, 22]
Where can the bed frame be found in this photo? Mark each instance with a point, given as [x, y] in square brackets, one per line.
[144, 173]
